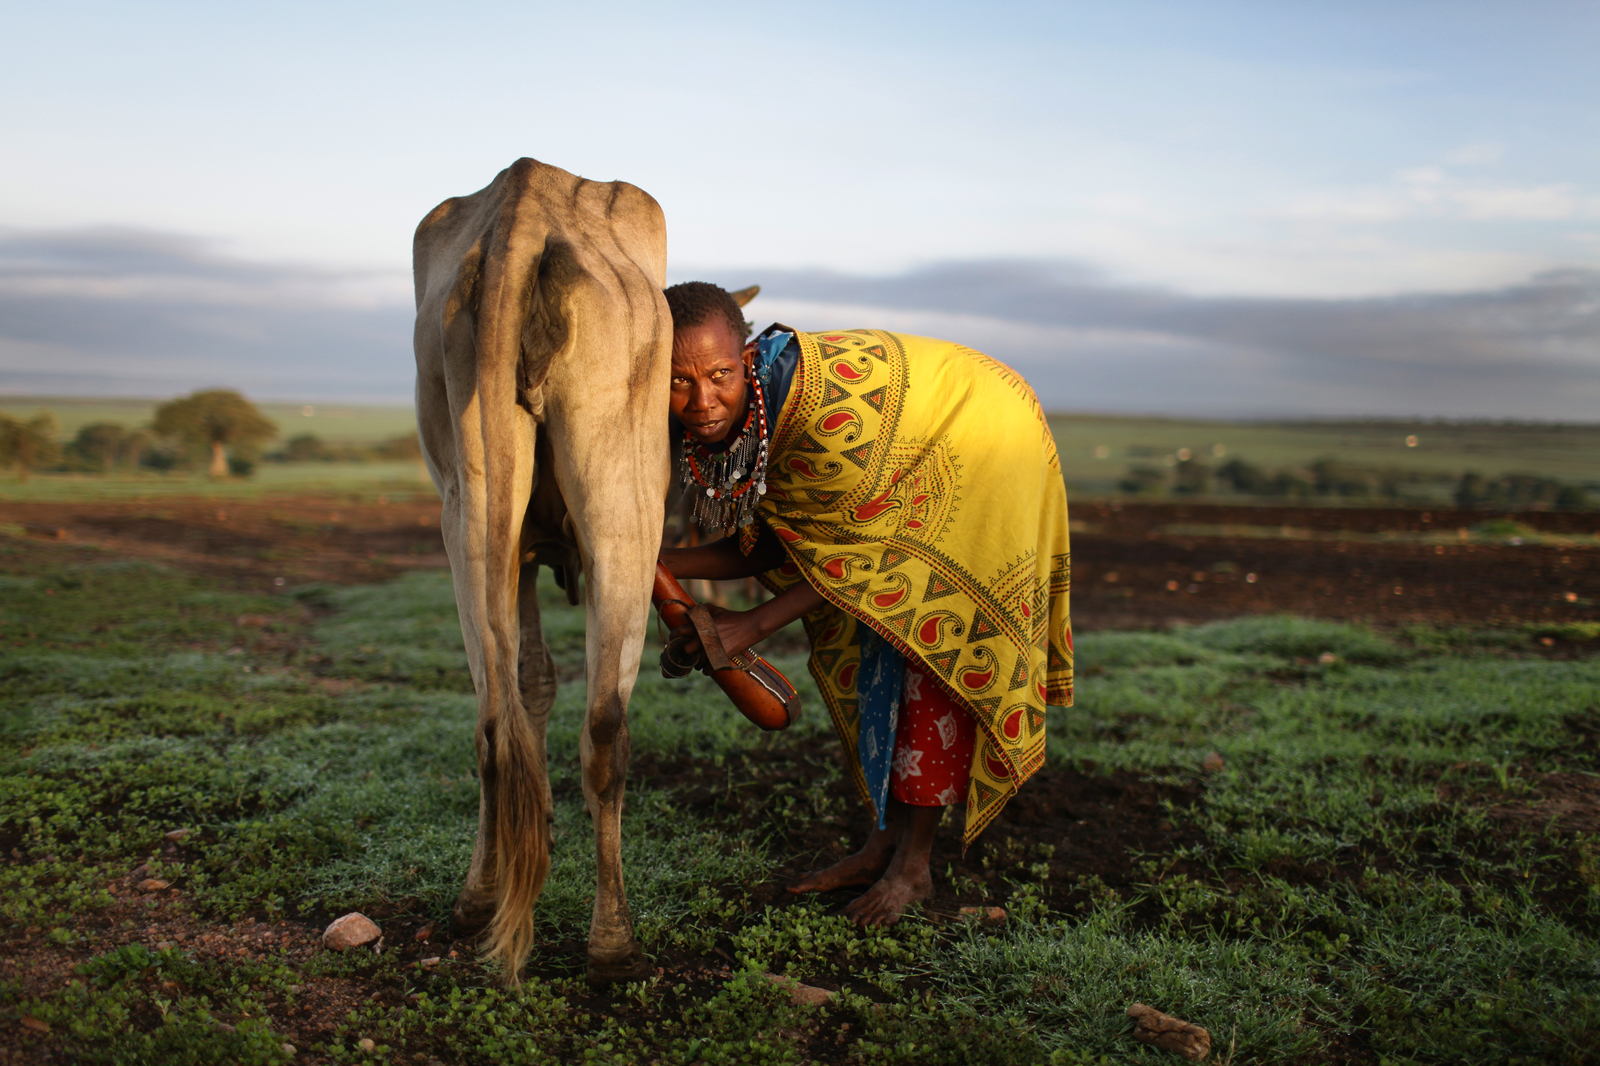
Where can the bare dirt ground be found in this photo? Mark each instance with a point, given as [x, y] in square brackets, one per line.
[1134, 565]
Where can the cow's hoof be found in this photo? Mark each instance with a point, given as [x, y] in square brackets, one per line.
[630, 966]
[471, 916]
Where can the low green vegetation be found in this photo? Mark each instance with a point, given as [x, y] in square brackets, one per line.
[1362, 861]
[88, 447]
[1493, 463]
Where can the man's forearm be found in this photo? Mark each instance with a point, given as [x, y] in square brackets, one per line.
[722, 560]
[791, 603]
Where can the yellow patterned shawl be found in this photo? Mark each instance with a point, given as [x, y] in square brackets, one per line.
[916, 484]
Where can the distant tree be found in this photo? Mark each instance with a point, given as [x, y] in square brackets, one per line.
[1330, 477]
[1573, 498]
[29, 445]
[1243, 477]
[1287, 484]
[1471, 491]
[1145, 480]
[405, 446]
[305, 448]
[215, 419]
[1190, 477]
[101, 443]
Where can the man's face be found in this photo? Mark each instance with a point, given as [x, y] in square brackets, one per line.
[708, 380]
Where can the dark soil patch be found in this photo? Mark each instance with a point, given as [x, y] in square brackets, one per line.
[1130, 570]
[1073, 833]
[251, 543]
[1142, 565]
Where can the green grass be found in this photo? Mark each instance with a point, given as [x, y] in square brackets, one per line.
[1325, 899]
[394, 480]
[1096, 450]
[334, 423]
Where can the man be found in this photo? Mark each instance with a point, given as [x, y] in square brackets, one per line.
[903, 496]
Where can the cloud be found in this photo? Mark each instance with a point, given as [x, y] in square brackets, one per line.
[1433, 192]
[135, 312]
[1525, 351]
[123, 312]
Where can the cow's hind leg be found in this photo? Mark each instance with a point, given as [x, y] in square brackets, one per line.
[620, 532]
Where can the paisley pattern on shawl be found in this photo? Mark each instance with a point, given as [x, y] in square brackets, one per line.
[915, 485]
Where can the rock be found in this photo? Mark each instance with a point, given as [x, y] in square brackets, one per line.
[30, 1022]
[801, 995]
[153, 884]
[178, 836]
[428, 964]
[424, 934]
[1168, 1033]
[366, 1043]
[990, 915]
[1212, 763]
[287, 1049]
[351, 931]
[1327, 658]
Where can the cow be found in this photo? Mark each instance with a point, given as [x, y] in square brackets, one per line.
[543, 347]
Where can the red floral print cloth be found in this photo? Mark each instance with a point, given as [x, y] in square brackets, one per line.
[932, 745]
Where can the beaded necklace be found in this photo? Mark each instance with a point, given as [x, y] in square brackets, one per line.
[728, 484]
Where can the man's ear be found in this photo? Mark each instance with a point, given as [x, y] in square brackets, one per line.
[744, 296]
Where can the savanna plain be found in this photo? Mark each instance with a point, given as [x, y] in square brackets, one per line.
[1331, 790]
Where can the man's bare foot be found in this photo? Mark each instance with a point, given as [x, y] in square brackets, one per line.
[886, 901]
[863, 868]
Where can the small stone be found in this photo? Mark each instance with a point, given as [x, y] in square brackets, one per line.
[163, 945]
[153, 884]
[1168, 1033]
[1212, 763]
[801, 995]
[428, 964]
[366, 1043]
[350, 931]
[223, 1027]
[30, 1022]
[991, 915]
[1327, 658]
[178, 836]
[287, 1049]
[453, 955]
[424, 934]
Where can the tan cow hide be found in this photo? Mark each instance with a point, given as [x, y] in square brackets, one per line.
[543, 349]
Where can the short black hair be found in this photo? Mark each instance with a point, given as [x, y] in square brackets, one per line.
[695, 302]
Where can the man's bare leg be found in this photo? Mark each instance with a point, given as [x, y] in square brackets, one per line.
[907, 879]
[865, 866]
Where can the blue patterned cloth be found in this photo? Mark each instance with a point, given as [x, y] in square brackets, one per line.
[883, 670]
[777, 355]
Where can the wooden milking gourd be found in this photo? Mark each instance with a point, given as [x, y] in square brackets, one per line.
[755, 686]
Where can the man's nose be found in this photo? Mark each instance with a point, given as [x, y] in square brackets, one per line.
[702, 397]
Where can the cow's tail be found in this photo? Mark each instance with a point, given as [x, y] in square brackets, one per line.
[515, 759]
[521, 841]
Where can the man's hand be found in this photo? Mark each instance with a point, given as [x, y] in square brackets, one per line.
[739, 631]
[736, 629]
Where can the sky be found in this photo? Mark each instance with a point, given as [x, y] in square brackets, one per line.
[1229, 208]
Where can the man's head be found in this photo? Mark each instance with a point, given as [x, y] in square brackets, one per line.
[710, 389]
